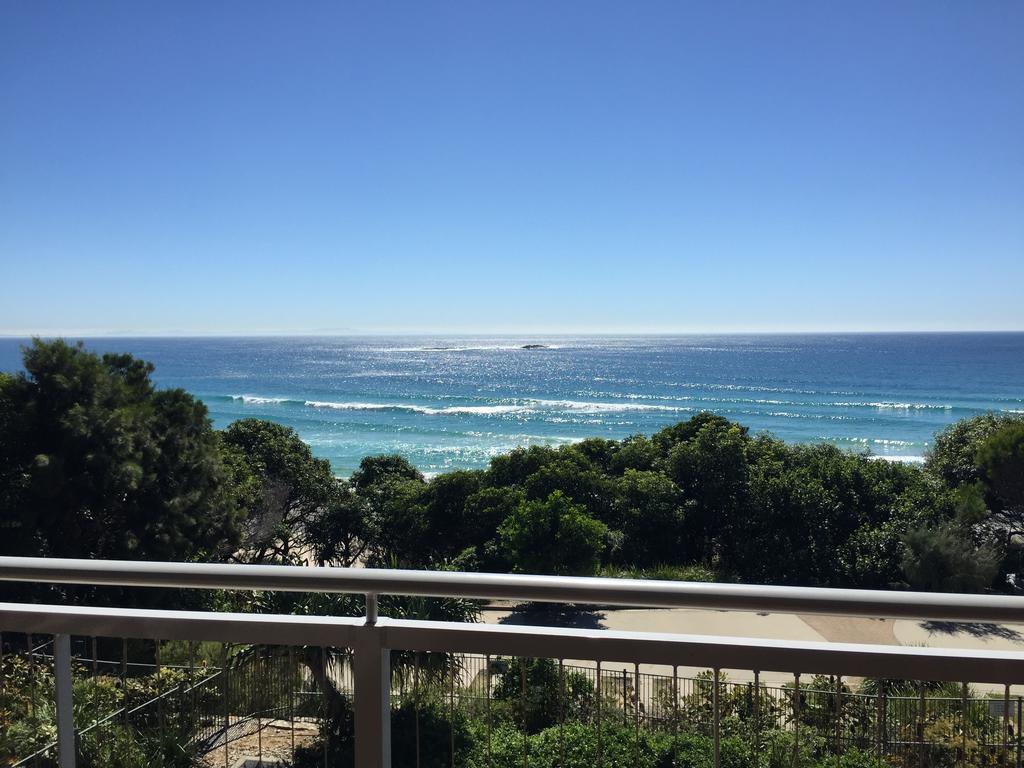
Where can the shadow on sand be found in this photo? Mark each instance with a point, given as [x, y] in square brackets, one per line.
[555, 615]
[979, 629]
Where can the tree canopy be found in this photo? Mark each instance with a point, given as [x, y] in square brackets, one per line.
[95, 461]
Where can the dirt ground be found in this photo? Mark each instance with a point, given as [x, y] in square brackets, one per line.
[273, 740]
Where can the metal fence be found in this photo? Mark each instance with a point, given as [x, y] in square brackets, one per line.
[210, 708]
[421, 679]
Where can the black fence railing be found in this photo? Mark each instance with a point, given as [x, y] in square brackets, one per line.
[218, 704]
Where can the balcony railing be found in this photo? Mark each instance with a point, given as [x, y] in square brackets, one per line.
[372, 639]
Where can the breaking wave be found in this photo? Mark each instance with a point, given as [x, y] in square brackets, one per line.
[522, 406]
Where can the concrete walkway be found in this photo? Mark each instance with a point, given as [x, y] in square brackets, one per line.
[775, 626]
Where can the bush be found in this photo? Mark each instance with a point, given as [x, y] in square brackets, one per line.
[438, 729]
[542, 701]
[580, 744]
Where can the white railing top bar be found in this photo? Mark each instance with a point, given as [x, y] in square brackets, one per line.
[559, 589]
[702, 651]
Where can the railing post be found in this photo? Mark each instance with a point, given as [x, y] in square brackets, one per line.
[757, 716]
[1019, 702]
[65, 711]
[715, 703]
[1006, 726]
[624, 698]
[796, 719]
[839, 714]
[371, 666]
[963, 724]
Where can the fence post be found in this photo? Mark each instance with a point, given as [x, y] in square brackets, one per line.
[1006, 726]
[625, 714]
[879, 725]
[757, 716]
[371, 666]
[964, 722]
[716, 704]
[1019, 702]
[920, 723]
[65, 712]
[839, 714]
[796, 719]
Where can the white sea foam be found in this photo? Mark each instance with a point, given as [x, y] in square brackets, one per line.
[525, 406]
[257, 400]
[483, 410]
[467, 348]
[901, 459]
[894, 406]
[582, 406]
[357, 406]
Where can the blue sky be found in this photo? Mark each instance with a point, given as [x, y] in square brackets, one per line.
[248, 167]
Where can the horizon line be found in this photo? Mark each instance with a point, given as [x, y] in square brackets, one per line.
[96, 334]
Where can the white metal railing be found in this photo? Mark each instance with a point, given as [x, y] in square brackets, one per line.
[372, 637]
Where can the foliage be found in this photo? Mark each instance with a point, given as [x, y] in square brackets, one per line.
[424, 721]
[946, 560]
[376, 469]
[547, 698]
[553, 535]
[1000, 459]
[953, 459]
[28, 716]
[97, 462]
[660, 572]
[612, 745]
[284, 489]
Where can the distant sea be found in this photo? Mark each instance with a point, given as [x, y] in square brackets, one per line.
[451, 402]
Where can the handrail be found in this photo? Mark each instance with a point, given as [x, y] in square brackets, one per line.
[813, 657]
[371, 639]
[559, 589]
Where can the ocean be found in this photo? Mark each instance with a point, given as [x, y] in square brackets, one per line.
[454, 402]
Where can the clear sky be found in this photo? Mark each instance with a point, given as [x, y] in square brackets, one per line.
[250, 167]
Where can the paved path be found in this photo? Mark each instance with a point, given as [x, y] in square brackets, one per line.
[778, 626]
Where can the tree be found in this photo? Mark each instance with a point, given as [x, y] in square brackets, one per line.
[553, 536]
[285, 489]
[573, 475]
[1000, 459]
[446, 509]
[398, 529]
[485, 511]
[954, 457]
[945, 560]
[651, 513]
[707, 459]
[96, 462]
[376, 469]
[339, 534]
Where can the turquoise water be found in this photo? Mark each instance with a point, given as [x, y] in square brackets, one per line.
[447, 402]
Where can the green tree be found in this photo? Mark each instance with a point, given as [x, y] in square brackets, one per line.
[954, 457]
[398, 528]
[285, 489]
[446, 500]
[339, 534]
[1000, 459]
[485, 511]
[943, 559]
[376, 469]
[553, 536]
[96, 462]
[707, 459]
[651, 513]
